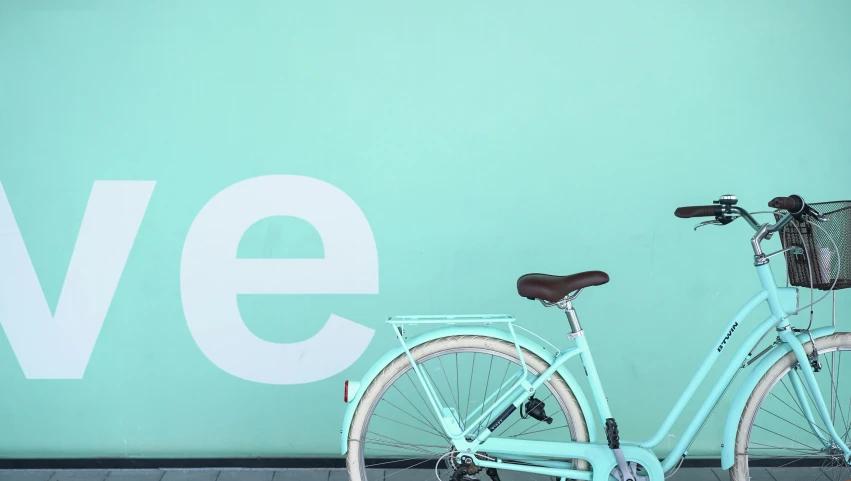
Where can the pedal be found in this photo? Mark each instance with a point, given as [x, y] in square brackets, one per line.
[613, 437]
[535, 409]
[492, 473]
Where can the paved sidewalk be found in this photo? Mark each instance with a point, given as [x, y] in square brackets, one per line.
[684, 474]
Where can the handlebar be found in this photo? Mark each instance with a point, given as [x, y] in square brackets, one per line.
[698, 211]
[724, 209]
[794, 204]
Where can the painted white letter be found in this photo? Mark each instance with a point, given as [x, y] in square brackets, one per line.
[59, 347]
[211, 276]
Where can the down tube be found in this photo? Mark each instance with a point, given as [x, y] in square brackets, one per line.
[698, 378]
[718, 390]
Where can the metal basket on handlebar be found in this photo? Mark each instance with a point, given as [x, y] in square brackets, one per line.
[828, 263]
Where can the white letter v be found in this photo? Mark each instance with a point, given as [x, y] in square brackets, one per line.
[59, 347]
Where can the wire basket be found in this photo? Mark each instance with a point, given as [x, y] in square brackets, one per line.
[819, 249]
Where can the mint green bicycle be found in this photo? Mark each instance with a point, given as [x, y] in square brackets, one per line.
[477, 399]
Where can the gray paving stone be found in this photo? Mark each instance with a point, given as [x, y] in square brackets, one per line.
[802, 474]
[135, 475]
[79, 475]
[301, 475]
[758, 474]
[504, 475]
[25, 475]
[371, 475]
[694, 474]
[246, 475]
[191, 475]
[416, 475]
[723, 474]
[775, 474]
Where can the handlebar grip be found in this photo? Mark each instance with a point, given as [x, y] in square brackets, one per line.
[794, 204]
[698, 211]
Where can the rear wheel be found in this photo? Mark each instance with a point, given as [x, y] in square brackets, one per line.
[773, 430]
[394, 428]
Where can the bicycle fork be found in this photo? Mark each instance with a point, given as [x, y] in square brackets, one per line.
[804, 364]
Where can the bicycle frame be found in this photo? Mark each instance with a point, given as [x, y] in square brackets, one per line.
[782, 302]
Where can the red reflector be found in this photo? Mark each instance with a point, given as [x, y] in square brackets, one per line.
[346, 393]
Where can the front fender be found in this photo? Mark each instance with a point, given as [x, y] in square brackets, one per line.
[529, 345]
[728, 441]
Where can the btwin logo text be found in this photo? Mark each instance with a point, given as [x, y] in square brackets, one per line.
[727, 337]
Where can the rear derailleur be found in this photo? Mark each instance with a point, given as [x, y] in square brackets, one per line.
[466, 470]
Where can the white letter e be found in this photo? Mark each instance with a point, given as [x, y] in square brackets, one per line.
[211, 276]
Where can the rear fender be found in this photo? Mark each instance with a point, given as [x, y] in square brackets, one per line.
[728, 441]
[361, 386]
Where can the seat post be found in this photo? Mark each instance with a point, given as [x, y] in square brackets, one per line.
[572, 318]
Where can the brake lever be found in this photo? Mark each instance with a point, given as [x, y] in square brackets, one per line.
[708, 222]
[815, 214]
[725, 221]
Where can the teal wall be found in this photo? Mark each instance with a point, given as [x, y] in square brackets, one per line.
[431, 152]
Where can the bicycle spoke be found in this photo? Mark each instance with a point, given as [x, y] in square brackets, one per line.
[410, 467]
[836, 393]
[439, 392]
[421, 448]
[405, 424]
[789, 422]
[498, 393]
[427, 404]
[790, 462]
[787, 437]
[806, 389]
[426, 424]
[794, 397]
[470, 388]
[423, 415]
[848, 429]
[787, 404]
[395, 442]
[838, 368]
[459, 391]
[484, 395]
[407, 448]
[538, 431]
[457, 404]
[392, 461]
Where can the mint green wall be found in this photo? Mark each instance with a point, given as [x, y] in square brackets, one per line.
[480, 140]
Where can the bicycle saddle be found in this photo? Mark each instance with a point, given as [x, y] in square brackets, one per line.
[555, 288]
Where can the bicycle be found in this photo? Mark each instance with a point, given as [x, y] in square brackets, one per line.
[469, 436]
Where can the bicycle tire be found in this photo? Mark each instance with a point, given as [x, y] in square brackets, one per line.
[740, 471]
[373, 392]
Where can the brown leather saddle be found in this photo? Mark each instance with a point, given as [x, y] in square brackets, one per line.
[555, 288]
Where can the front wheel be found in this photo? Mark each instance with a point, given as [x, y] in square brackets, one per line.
[775, 431]
[395, 429]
